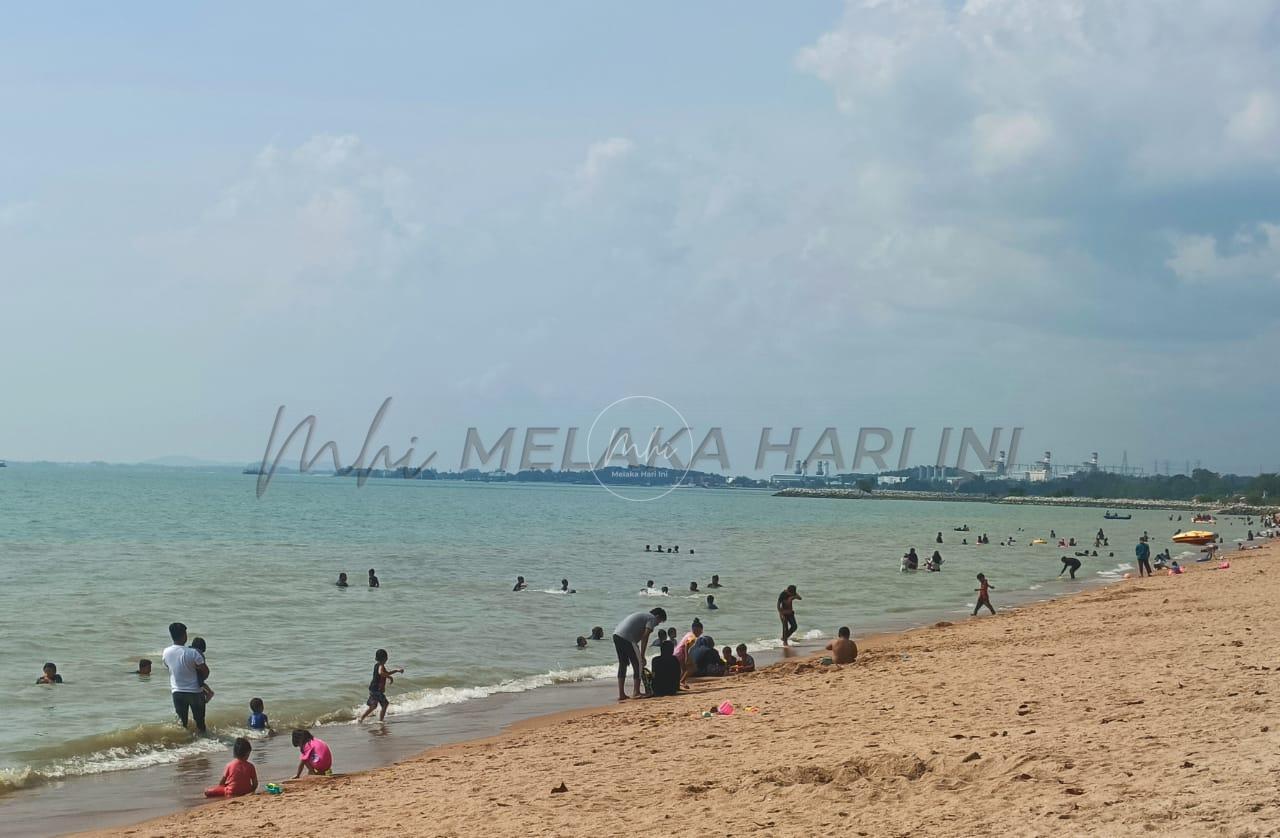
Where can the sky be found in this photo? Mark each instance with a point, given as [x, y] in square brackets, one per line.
[1059, 215]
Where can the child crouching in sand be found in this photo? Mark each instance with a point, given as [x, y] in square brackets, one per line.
[316, 756]
[239, 777]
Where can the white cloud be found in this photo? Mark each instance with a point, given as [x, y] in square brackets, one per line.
[12, 214]
[1257, 123]
[601, 156]
[1251, 255]
[300, 226]
[1003, 141]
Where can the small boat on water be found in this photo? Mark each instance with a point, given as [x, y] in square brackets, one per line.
[1116, 516]
[1038, 541]
[1204, 519]
[1195, 537]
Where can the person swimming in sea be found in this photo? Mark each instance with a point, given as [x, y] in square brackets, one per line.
[693, 587]
[564, 587]
[144, 668]
[715, 582]
[582, 642]
[373, 579]
[342, 580]
[711, 603]
[49, 674]
[597, 633]
[520, 584]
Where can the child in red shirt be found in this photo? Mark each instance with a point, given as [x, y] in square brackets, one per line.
[239, 777]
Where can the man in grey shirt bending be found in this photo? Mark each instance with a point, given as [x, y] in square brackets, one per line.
[630, 638]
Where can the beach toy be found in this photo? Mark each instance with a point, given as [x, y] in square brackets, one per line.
[1128, 576]
[706, 714]
[274, 788]
[1224, 565]
[725, 709]
[827, 661]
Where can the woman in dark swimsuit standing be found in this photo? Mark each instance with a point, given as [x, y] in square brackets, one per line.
[787, 612]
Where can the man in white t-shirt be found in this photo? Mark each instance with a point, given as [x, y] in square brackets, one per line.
[186, 667]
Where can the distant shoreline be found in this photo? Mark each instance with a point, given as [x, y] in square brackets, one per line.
[1014, 500]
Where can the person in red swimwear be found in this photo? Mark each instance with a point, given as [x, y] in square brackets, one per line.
[984, 598]
[239, 777]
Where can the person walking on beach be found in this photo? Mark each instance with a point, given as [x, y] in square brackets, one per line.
[787, 612]
[1143, 552]
[186, 670]
[630, 638]
[984, 598]
[378, 686]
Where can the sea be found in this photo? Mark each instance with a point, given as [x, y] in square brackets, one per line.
[97, 560]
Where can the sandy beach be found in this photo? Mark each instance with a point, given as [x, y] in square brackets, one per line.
[1145, 707]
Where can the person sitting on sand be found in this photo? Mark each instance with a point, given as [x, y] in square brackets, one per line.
[1069, 564]
[715, 581]
[745, 663]
[316, 756]
[666, 670]
[706, 660]
[49, 674]
[520, 584]
[984, 598]
[1174, 569]
[342, 580]
[843, 649]
[630, 639]
[239, 777]
[711, 603]
[144, 668]
[726, 654]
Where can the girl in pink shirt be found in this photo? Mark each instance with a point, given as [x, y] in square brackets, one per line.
[316, 756]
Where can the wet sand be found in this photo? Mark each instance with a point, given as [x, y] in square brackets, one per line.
[1143, 707]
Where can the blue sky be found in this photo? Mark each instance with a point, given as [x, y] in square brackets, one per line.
[1057, 215]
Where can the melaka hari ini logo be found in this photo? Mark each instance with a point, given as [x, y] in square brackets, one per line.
[655, 458]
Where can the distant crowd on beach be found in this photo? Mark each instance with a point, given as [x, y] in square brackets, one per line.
[695, 654]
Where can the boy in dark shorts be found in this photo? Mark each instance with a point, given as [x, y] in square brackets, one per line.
[984, 598]
[378, 686]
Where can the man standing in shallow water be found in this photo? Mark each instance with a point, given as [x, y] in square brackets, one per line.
[186, 667]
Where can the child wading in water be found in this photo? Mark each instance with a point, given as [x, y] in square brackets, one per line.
[316, 756]
[984, 598]
[239, 777]
[378, 685]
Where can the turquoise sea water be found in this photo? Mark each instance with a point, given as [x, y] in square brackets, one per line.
[95, 562]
